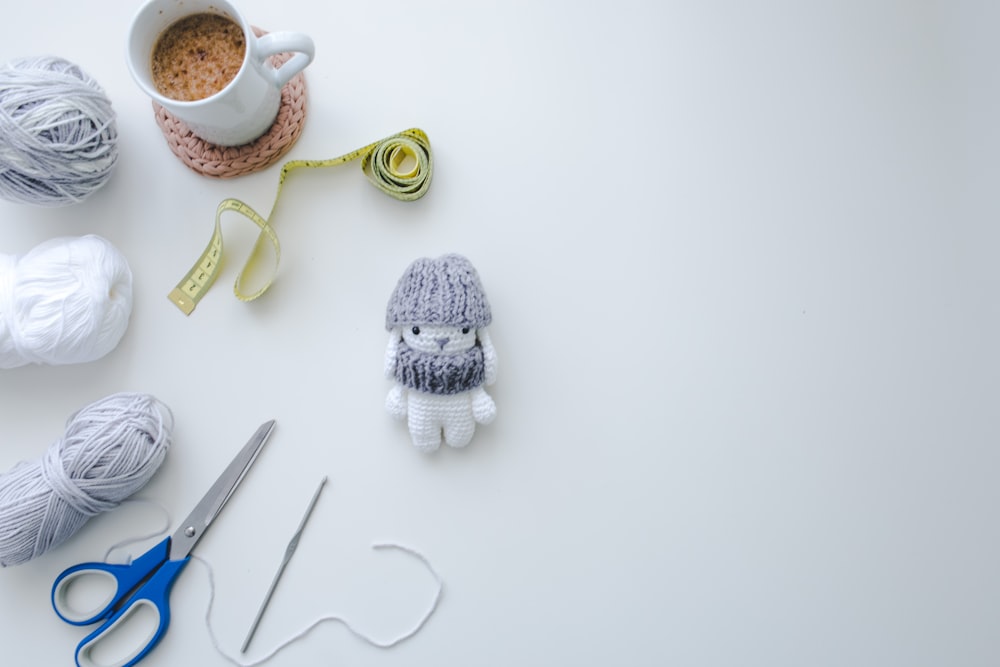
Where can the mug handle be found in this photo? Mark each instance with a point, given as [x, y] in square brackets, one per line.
[274, 43]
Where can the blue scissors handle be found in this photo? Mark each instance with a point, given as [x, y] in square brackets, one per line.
[124, 577]
[143, 585]
[153, 595]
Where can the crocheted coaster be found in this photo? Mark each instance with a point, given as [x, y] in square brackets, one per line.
[229, 161]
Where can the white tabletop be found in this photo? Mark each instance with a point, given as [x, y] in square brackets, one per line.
[742, 261]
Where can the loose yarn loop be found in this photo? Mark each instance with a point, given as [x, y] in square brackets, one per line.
[110, 450]
[384, 644]
[66, 301]
[58, 134]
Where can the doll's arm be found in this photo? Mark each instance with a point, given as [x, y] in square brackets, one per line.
[395, 401]
[489, 355]
[484, 410]
[391, 350]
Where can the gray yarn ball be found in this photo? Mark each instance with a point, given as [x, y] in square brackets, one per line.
[444, 291]
[58, 135]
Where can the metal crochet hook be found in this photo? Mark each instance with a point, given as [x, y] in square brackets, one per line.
[289, 550]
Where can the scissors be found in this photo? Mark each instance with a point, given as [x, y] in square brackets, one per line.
[143, 586]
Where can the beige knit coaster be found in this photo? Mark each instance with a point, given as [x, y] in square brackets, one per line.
[230, 161]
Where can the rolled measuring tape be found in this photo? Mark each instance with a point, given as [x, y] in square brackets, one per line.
[400, 166]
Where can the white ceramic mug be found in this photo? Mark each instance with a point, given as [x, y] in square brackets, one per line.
[246, 108]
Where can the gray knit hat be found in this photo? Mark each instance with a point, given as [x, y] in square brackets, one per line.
[444, 291]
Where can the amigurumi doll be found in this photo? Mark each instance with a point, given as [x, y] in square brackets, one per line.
[439, 352]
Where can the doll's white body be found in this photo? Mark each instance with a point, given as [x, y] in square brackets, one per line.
[439, 352]
[431, 415]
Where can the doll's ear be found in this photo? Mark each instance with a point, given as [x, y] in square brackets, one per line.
[391, 351]
[489, 355]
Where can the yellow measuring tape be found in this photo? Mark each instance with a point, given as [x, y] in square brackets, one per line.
[400, 166]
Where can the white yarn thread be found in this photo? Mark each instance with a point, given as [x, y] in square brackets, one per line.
[432, 607]
[158, 532]
[66, 301]
[110, 449]
[58, 135]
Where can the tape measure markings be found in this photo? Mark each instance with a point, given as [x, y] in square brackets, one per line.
[381, 162]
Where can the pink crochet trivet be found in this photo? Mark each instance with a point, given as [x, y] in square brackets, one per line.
[230, 161]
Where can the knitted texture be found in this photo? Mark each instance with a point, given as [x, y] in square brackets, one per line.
[442, 374]
[445, 291]
[439, 353]
[230, 161]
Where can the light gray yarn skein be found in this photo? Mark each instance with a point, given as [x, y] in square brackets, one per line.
[58, 135]
[110, 450]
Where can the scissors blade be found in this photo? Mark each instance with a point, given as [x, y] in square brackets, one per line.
[195, 525]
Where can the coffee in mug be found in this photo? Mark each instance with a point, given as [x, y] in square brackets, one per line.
[215, 72]
[197, 56]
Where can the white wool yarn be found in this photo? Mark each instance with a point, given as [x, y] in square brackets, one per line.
[58, 134]
[66, 301]
[110, 449]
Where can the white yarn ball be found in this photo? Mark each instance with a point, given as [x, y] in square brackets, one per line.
[67, 301]
[58, 135]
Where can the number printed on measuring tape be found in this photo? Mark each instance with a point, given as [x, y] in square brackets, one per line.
[400, 166]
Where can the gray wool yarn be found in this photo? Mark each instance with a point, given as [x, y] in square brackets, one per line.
[58, 135]
[110, 449]
[441, 374]
[444, 291]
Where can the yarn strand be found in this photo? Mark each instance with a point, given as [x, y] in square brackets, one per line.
[330, 618]
[159, 532]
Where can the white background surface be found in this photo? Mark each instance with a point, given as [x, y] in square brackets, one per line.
[742, 259]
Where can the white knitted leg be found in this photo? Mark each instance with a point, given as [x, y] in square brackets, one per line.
[459, 426]
[425, 425]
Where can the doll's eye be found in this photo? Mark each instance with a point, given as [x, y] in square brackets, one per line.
[465, 330]
[416, 331]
